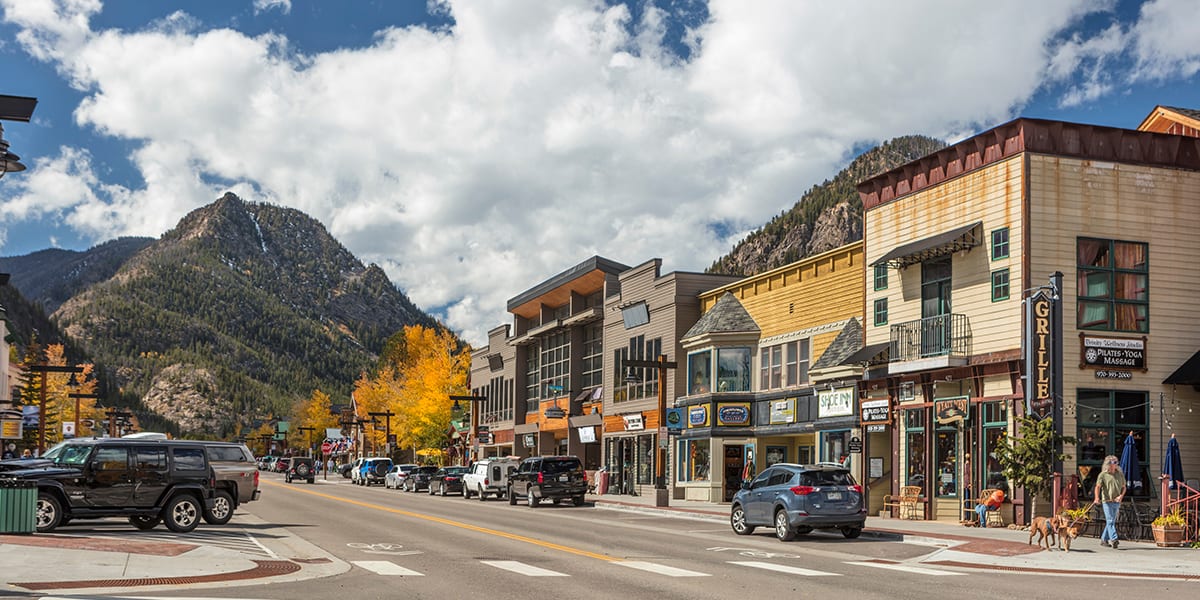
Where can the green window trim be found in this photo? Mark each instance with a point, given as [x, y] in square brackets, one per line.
[1113, 279]
[1001, 287]
[1000, 243]
[881, 312]
[881, 277]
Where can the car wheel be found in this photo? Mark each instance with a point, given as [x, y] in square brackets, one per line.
[783, 530]
[431, 489]
[182, 513]
[530, 499]
[222, 510]
[737, 520]
[442, 490]
[49, 513]
[577, 500]
[145, 523]
[851, 532]
[482, 496]
[512, 497]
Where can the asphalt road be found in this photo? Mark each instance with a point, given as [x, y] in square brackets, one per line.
[412, 545]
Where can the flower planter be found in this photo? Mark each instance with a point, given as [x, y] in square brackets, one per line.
[1167, 536]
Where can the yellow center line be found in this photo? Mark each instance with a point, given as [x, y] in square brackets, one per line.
[461, 525]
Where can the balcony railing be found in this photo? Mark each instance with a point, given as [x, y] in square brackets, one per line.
[943, 335]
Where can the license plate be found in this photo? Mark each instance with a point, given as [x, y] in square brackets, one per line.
[833, 495]
[563, 478]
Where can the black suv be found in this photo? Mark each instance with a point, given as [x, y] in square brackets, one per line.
[548, 478]
[301, 468]
[149, 481]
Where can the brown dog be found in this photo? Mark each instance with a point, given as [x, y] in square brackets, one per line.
[1066, 532]
[1045, 529]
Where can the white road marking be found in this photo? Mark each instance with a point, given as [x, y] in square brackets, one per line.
[383, 567]
[522, 568]
[902, 567]
[264, 548]
[783, 568]
[660, 569]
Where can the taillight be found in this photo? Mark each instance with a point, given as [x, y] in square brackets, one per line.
[256, 479]
[802, 490]
[857, 488]
[486, 482]
[539, 478]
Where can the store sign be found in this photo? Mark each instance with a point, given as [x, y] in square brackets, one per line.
[698, 416]
[835, 403]
[855, 445]
[1039, 397]
[68, 428]
[10, 429]
[952, 410]
[733, 414]
[1121, 353]
[880, 428]
[529, 440]
[674, 420]
[634, 422]
[783, 411]
[874, 411]
[587, 435]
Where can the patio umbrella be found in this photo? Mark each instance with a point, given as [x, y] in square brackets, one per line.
[1173, 463]
[1129, 464]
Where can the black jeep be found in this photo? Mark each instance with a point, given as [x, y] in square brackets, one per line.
[148, 481]
[301, 468]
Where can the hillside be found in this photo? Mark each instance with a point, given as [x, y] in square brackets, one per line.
[827, 216]
[50, 277]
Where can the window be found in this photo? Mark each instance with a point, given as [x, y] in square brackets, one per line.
[532, 378]
[556, 359]
[946, 447]
[156, 458]
[881, 312]
[188, 459]
[111, 459]
[835, 445]
[881, 277]
[646, 380]
[1000, 285]
[1113, 285]
[1000, 244]
[1104, 418]
[733, 369]
[783, 365]
[914, 442]
[593, 356]
[700, 372]
[694, 460]
[995, 423]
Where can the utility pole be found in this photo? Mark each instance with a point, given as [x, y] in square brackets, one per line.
[473, 436]
[387, 427]
[662, 494]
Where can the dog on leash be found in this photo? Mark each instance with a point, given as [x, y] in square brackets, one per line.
[1046, 530]
[1066, 531]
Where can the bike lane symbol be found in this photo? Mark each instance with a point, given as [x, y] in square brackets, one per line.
[382, 548]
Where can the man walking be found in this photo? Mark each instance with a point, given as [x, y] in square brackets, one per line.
[1110, 490]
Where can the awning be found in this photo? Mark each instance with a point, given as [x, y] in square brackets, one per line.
[525, 428]
[586, 420]
[949, 242]
[1188, 373]
[591, 395]
[867, 354]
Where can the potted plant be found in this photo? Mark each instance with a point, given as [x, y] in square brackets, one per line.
[1168, 529]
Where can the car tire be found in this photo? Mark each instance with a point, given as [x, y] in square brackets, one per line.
[442, 490]
[183, 513]
[49, 513]
[737, 521]
[431, 489]
[145, 523]
[530, 499]
[783, 529]
[577, 500]
[512, 497]
[222, 510]
[482, 495]
[851, 532]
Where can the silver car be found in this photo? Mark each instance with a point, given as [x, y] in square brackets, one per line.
[396, 476]
[795, 499]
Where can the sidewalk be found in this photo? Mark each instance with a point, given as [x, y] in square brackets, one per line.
[1000, 549]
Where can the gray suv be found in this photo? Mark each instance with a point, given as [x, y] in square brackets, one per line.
[795, 499]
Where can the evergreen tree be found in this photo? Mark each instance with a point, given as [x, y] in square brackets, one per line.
[1028, 458]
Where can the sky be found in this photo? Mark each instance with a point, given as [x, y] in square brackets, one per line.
[473, 149]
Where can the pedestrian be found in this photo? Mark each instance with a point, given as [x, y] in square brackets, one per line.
[992, 502]
[1108, 493]
[27, 454]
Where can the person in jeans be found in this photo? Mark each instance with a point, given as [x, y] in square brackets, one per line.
[992, 502]
[1109, 491]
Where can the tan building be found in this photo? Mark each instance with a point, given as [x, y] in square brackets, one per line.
[955, 241]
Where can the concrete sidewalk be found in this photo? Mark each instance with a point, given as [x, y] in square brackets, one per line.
[1005, 549]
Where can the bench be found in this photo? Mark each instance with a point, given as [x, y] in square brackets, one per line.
[907, 502]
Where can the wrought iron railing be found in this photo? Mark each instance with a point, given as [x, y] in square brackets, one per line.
[1187, 500]
[943, 335]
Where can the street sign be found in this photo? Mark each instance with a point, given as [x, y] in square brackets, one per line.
[326, 448]
[855, 445]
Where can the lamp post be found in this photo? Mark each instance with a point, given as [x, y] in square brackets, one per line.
[387, 427]
[662, 497]
[117, 416]
[13, 108]
[472, 436]
[43, 369]
[310, 431]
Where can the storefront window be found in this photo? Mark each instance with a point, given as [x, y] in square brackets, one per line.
[914, 441]
[1104, 419]
[946, 448]
[733, 369]
[645, 466]
[834, 445]
[700, 372]
[694, 460]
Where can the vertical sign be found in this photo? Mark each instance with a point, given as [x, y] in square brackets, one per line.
[1039, 391]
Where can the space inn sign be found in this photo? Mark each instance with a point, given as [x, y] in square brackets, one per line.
[1109, 353]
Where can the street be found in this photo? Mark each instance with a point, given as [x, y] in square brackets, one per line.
[412, 545]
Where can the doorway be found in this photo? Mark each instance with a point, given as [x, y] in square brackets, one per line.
[733, 468]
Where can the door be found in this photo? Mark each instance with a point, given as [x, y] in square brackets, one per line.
[733, 469]
[757, 506]
[107, 481]
[935, 307]
[150, 473]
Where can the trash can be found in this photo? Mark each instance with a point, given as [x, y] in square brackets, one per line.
[18, 506]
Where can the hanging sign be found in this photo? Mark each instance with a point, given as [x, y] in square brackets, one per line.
[674, 420]
[951, 410]
[1039, 395]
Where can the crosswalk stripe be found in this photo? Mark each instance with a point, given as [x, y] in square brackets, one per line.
[522, 568]
[660, 569]
[783, 568]
[383, 567]
[900, 567]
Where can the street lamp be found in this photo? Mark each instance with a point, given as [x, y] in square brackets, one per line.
[387, 427]
[473, 435]
[660, 480]
[13, 108]
[117, 416]
[43, 369]
[310, 431]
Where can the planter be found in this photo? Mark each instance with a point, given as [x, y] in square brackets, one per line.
[1167, 535]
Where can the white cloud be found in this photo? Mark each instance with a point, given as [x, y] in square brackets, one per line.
[1167, 42]
[475, 161]
[261, 6]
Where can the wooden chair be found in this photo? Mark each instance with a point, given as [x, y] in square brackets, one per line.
[994, 518]
[907, 502]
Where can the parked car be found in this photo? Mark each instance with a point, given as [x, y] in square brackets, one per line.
[373, 470]
[488, 476]
[301, 468]
[147, 481]
[281, 464]
[552, 478]
[795, 499]
[418, 479]
[236, 482]
[347, 470]
[447, 480]
[396, 475]
[266, 462]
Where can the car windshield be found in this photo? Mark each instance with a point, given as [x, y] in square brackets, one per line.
[455, 470]
[559, 466]
[425, 470]
[53, 453]
[818, 478]
[72, 455]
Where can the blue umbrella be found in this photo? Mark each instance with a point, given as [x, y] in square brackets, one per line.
[1129, 464]
[1173, 463]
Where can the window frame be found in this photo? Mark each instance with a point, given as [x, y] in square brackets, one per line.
[880, 312]
[1086, 304]
[881, 277]
[1007, 285]
[1001, 249]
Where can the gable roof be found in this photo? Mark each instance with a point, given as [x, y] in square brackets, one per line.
[846, 343]
[726, 316]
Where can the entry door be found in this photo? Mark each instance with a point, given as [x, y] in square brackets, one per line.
[947, 446]
[734, 466]
[935, 307]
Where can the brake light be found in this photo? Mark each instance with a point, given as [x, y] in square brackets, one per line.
[857, 488]
[486, 482]
[256, 478]
[802, 490]
[540, 477]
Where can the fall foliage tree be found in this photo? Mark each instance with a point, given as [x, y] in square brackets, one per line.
[315, 412]
[59, 406]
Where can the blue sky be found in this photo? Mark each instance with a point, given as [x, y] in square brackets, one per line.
[450, 141]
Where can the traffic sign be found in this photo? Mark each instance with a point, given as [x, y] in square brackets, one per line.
[326, 448]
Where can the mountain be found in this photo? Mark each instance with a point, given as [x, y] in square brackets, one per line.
[231, 316]
[50, 277]
[827, 216]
